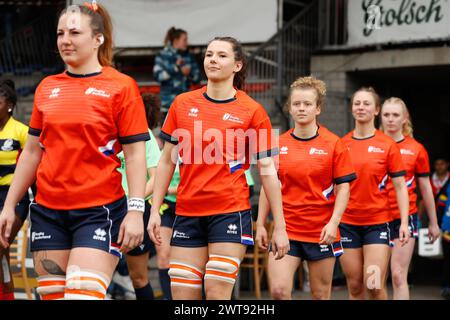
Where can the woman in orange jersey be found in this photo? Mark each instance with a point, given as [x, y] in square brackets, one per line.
[82, 118]
[315, 172]
[214, 132]
[364, 227]
[396, 123]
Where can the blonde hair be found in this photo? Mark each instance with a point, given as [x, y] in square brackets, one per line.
[407, 129]
[308, 83]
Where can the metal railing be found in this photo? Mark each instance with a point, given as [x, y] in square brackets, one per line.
[333, 29]
[278, 62]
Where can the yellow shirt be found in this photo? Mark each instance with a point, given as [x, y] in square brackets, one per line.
[12, 140]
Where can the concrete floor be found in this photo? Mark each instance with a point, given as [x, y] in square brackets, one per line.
[340, 293]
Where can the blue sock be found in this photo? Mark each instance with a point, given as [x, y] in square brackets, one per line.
[164, 280]
[145, 293]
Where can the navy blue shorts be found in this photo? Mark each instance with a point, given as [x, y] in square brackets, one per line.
[22, 207]
[412, 226]
[313, 251]
[147, 244]
[96, 227]
[195, 232]
[353, 236]
[168, 215]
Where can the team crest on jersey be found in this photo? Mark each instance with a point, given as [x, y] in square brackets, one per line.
[193, 112]
[317, 151]
[8, 145]
[96, 92]
[284, 150]
[229, 117]
[407, 152]
[373, 149]
[55, 93]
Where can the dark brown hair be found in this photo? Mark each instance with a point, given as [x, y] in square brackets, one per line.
[100, 23]
[239, 55]
[152, 104]
[372, 91]
[173, 34]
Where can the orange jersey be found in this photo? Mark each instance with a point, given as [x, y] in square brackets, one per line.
[82, 122]
[415, 159]
[214, 152]
[308, 171]
[375, 159]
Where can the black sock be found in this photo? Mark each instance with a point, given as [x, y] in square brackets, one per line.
[164, 280]
[145, 293]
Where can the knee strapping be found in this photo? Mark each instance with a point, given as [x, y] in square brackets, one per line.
[85, 285]
[222, 268]
[185, 275]
[51, 287]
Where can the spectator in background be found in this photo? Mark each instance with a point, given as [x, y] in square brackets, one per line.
[443, 200]
[13, 136]
[439, 180]
[175, 68]
[440, 175]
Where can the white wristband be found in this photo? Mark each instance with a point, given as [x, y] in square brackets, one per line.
[136, 204]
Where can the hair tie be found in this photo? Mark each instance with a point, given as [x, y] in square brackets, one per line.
[92, 6]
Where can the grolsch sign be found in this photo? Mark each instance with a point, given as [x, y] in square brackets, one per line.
[394, 21]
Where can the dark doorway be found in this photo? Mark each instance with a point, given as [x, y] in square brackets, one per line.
[425, 91]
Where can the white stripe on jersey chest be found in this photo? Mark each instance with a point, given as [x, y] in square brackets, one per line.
[299, 161]
[78, 105]
[225, 116]
[368, 162]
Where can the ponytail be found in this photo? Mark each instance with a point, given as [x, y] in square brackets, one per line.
[105, 52]
[101, 23]
[173, 34]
